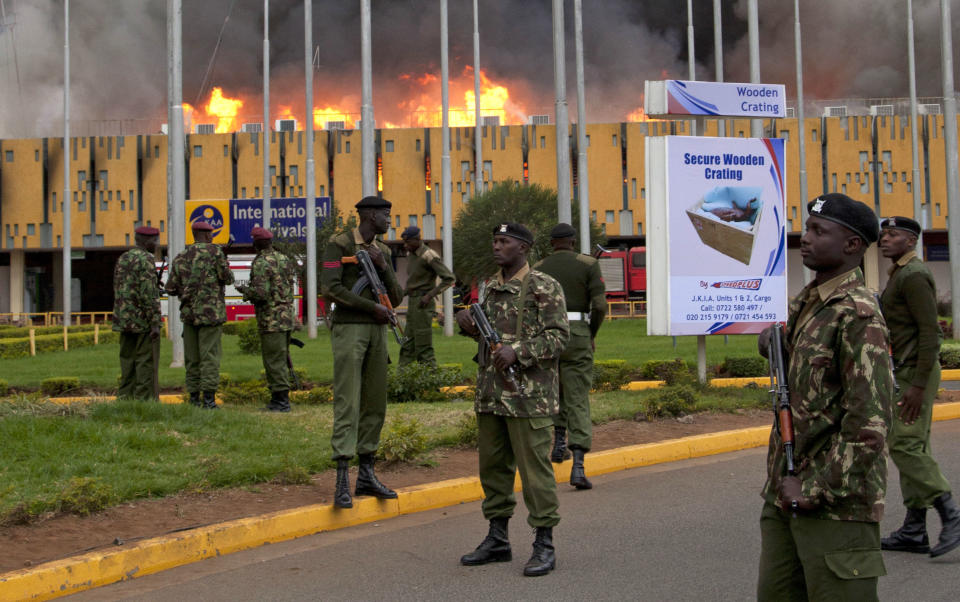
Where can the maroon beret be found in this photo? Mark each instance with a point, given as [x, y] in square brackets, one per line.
[258, 233]
[202, 226]
[147, 231]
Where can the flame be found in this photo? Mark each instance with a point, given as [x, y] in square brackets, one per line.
[639, 114]
[224, 110]
[326, 114]
[495, 101]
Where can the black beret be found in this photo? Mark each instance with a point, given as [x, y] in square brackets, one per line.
[515, 230]
[373, 202]
[847, 212]
[562, 230]
[410, 232]
[901, 223]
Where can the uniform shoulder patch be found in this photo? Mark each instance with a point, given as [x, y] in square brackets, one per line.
[586, 259]
[429, 255]
[343, 239]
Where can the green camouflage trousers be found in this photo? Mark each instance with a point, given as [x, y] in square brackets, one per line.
[273, 351]
[359, 387]
[418, 346]
[813, 559]
[576, 378]
[201, 357]
[507, 444]
[137, 369]
[921, 481]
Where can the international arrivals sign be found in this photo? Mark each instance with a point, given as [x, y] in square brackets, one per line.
[680, 98]
[234, 218]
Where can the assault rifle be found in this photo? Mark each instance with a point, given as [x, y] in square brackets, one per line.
[372, 279]
[781, 397]
[492, 339]
[163, 266]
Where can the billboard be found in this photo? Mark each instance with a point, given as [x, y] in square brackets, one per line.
[236, 217]
[714, 99]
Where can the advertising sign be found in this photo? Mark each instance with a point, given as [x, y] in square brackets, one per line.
[236, 217]
[716, 248]
[714, 99]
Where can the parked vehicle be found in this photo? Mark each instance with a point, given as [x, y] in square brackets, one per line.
[624, 272]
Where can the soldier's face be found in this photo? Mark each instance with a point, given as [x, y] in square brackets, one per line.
[895, 243]
[150, 243]
[823, 245]
[381, 220]
[412, 243]
[507, 250]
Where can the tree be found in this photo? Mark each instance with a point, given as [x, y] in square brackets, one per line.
[531, 205]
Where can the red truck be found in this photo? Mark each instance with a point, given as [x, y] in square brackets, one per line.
[624, 272]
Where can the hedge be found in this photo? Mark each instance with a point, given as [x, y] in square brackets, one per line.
[950, 356]
[16, 332]
[13, 348]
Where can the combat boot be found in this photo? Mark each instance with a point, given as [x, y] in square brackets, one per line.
[279, 401]
[912, 536]
[341, 498]
[560, 451]
[210, 400]
[195, 399]
[495, 547]
[543, 560]
[950, 532]
[578, 478]
[367, 482]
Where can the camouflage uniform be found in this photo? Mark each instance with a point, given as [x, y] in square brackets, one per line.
[423, 268]
[840, 394]
[136, 311]
[198, 276]
[515, 429]
[270, 290]
[359, 347]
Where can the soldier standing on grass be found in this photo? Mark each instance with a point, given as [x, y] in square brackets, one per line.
[527, 308]
[198, 276]
[820, 525]
[579, 276]
[270, 290]
[359, 339]
[136, 316]
[424, 266]
[909, 305]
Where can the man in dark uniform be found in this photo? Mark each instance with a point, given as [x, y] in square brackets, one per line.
[820, 524]
[136, 316]
[198, 276]
[583, 288]
[270, 290]
[909, 305]
[424, 266]
[359, 338]
[514, 418]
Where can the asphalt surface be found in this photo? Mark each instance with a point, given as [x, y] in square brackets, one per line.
[680, 531]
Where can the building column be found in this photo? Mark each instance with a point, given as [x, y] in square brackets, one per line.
[58, 283]
[17, 265]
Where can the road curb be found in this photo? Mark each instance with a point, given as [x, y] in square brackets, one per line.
[75, 574]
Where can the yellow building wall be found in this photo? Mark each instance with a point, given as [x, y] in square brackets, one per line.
[154, 151]
[346, 150]
[211, 166]
[605, 173]
[542, 155]
[21, 175]
[936, 164]
[404, 176]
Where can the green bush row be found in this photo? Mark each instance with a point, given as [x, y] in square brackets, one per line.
[20, 347]
[16, 332]
[950, 356]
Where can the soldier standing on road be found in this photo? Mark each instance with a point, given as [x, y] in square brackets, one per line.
[528, 310]
[198, 276]
[820, 527]
[270, 290]
[909, 305]
[359, 338]
[136, 316]
[424, 266]
[583, 288]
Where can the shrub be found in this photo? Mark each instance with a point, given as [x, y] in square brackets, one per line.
[314, 396]
[738, 367]
[467, 433]
[84, 496]
[4, 387]
[253, 392]
[233, 328]
[610, 375]
[950, 356]
[672, 372]
[297, 383]
[671, 401]
[403, 442]
[59, 385]
[20, 347]
[249, 337]
[16, 332]
[420, 382]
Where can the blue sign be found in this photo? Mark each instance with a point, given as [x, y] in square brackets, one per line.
[287, 217]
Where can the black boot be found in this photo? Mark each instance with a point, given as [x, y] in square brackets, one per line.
[950, 532]
[341, 498]
[195, 399]
[543, 560]
[912, 536]
[560, 451]
[578, 478]
[279, 401]
[210, 400]
[495, 547]
[367, 482]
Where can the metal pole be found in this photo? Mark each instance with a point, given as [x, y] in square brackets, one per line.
[950, 139]
[718, 56]
[175, 164]
[367, 156]
[446, 182]
[915, 181]
[691, 63]
[753, 29]
[266, 114]
[478, 128]
[582, 168]
[67, 244]
[563, 122]
[801, 129]
[311, 180]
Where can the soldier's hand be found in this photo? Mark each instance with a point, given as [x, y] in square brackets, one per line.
[381, 314]
[154, 333]
[763, 341]
[466, 322]
[910, 404]
[791, 491]
[504, 357]
[377, 257]
[426, 300]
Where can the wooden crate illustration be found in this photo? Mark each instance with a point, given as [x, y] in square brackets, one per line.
[734, 242]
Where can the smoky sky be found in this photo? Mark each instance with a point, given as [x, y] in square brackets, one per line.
[851, 48]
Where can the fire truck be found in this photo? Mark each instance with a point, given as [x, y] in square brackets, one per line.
[624, 272]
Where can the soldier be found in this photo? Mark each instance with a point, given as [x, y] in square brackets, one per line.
[424, 266]
[136, 316]
[270, 290]
[198, 276]
[359, 338]
[820, 531]
[583, 289]
[909, 305]
[527, 308]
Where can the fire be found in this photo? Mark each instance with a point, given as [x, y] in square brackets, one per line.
[639, 114]
[224, 110]
[322, 116]
[495, 101]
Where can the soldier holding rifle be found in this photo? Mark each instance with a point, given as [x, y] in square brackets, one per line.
[820, 531]
[517, 396]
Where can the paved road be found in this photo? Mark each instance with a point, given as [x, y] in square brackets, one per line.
[681, 531]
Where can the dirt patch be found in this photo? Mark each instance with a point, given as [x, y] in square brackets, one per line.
[63, 536]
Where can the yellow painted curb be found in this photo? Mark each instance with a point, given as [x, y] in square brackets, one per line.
[950, 374]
